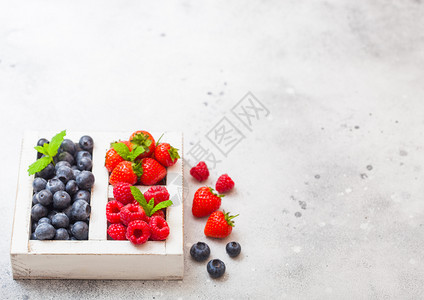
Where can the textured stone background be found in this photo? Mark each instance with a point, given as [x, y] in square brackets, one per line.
[329, 185]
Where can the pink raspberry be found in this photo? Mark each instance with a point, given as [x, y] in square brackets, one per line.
[224, 184]
[200, 172]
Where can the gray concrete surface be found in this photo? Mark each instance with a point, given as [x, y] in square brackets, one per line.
[329, 186]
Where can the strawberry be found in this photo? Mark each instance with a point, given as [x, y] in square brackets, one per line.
[125, 171]
[219, 225]
[113, 158]
[166, 155]
[145, 141]
[205, 201]
[152, 171]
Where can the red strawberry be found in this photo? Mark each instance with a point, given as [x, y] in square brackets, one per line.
[159, 229]
[113, 158]
[131, 212]
[153, 172]
[144, 140]
[158, 193]
[113, 209]
[125, 171]
[200, 172]
[117, 232]
[224, 184]
[205, 201]
[166, 155]
[138, 232]
[219, 225]
[122, 193]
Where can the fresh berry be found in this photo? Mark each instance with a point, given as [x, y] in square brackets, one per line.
[117, 232]
[85, 180]
[205, 202]
[80, 230]
[61, 234]
[45, 231]
[44, 220]
[215, 268]
[60, 220]
[166, 155]
[159, 229]
[44, 197]
[75, 171]
[67, 146]
[61, 164]
[39, 184]
[131, 212]
[144, 140]
[82, 154]
[38, 211]
[153, 172]
[66, 211]
[66, 156]
[61, 200]
[113, 209]
[71, 187]
[200, 251]
[122, 193]
[47, 173]
[224, 184]
[158, 193]
[150, 208]
[86, 143]
[54, 185]
[85, 164]
[113, 158]
[233, 249]
[82, 195]
[200, 171]
[33, 236]
[125, 171]
[159, 213]
[80, 210]
[219, 225]
[138, 232]
[65, 174]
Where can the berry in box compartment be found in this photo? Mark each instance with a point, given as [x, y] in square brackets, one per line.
[97, 257]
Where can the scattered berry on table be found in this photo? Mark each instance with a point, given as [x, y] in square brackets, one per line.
[224, 184]
[131, 212]
[233, 249]
[54, 185]
[125, 171]
[86, 143]
[44, 197]
[166, 155]
[85, 180]
[66, 156]
[113, 210]
[138, 232]
[80, 210]
[158, 193]
[60, 220]
[61, 234]
[65, 174]
[200, 251]
[153, 172]
[117, 232]
[80, 230]
[61, 200]
[39, 184]
[219, 225]
[200, 171]
[44, 220]
[122, 193]
[67, 146]
[216, 268]
[159, 229]
[205, 201]
[71, 187]
[85, 164]
[45, 231]
[38, 211]
[82, 195]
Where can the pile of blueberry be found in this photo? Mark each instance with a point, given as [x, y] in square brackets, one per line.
[62, 191]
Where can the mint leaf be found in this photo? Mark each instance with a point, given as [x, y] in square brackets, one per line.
[122, 150]
[39, 165]
[56, 142]
[163, 204]
[139, 197]
[150, 207]
[135, 153]
[41, 149]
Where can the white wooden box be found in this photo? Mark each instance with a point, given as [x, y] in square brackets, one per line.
[98, 257]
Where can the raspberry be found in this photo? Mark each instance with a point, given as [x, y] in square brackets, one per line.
[159, 193]
[159, 229]
[131, 212]
[159, 213]
[117, 232]
[138, 232]
[113, 209]
[200, 172]
[224, 184]
[122, 193]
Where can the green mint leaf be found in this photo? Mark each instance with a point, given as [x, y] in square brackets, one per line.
[41, 149]
[163, 204]
[39, 165]
[56, 142]
[122, 150]
[139, 197]
[135, 153]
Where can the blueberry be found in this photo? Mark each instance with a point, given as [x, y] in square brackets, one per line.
[65, 156]
[72, 238]
[80, 210]
[71, 187]
[77, 149]
[85, 180]
[61, 200]
[86, 143]
[61, 234]
[75, 171]
[80, 230]
[38, 211]
[65, 174]
[44, 197]
[33, 236]
[39, 184]
[51, 214]
[82, 154]
[216, 268]
[200, 251]
[67, 146]
[47, 172]
[233, 249]
[61, 164]
[34, 226]
[54, 185]
[85, 164]
[34, 199]
[60, 220]
[44, 220]
[83, 195]
[67, 212]
[41, 142]
[45, 231]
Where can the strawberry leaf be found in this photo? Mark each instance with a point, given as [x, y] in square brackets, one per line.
[122, 150]
[39, 165]
[163, 204]
[142, 140]
[55, 143]
[135, 153]
[173, 153]
[41, 149]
